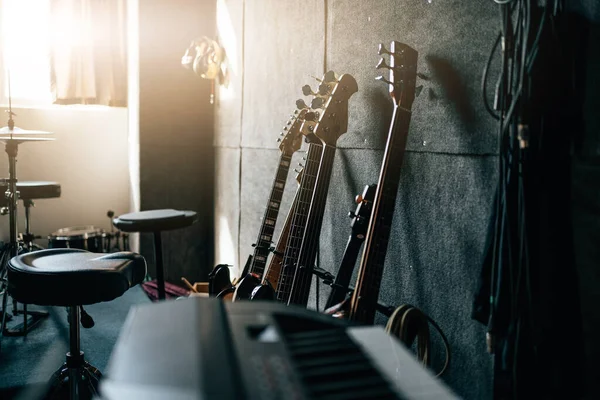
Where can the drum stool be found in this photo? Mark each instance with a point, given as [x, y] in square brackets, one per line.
[156, 221]
[73, 278]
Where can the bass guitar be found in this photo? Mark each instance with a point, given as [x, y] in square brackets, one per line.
[401, 84]
[327, 122]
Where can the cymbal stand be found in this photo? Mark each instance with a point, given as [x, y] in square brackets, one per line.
[12, 196]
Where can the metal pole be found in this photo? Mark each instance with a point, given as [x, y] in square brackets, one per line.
[74, 351]
[160, 276]
[12, 196]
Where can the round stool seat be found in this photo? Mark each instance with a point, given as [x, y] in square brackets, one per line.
[32, 190]
[154, 220]
[68, 277]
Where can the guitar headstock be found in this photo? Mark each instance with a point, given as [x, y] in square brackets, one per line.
[328, 117]
[403, 72]
[292, 136]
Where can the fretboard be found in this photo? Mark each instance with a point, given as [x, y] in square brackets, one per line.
[365, 296]
[310, 241]
[274, 269]
[298, 223]
[265, 235]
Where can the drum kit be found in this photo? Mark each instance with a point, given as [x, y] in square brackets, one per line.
[81, 237]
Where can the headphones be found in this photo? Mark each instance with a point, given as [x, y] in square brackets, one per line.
[206, 57]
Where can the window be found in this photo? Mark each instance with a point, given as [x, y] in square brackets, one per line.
[25, 52]
[63, 52]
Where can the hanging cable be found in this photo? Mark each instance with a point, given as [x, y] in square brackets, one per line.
[408, 323]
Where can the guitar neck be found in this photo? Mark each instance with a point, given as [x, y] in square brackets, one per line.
[339, 291]
[310, 240]
[365, 296]
[274, 269]
[298, 222]
[265, 235]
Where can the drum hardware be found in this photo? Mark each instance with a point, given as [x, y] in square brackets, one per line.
[28, 237]
[12, 137]
[117, 235]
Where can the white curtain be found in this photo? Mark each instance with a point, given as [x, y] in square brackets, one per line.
[88, 51]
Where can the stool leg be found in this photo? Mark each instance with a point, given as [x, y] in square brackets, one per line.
[74, 350]
[160, 277]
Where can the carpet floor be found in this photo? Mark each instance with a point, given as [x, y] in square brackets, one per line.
[28, 362]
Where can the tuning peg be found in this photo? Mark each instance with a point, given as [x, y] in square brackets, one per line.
[382, 79]
[352, 214]
[382, 50]
[317, 102]
[310, 116]
[301, 104]
[279, 140]
[301, 165]
[359, 199]
[323, 89]
[329, 76]
[304, 158]
[382, 64]
[297, 170]
[307, 90]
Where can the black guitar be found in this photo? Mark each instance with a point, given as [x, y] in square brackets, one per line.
[401, 83]
[328, 122]
[360, 223]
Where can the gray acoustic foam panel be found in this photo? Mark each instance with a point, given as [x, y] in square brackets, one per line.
[227, 205]
[258, 172]
[283, 47]
[453, 39]
[228, 98]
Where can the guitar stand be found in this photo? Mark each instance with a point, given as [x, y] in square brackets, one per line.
[329, 280]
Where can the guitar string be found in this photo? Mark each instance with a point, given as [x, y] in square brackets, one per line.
[293, 289]
[303, 273]
[283, 284]
[290, 264]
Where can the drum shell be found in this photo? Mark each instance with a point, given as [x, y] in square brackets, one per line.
[85, 238]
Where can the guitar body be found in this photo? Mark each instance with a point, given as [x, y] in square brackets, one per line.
[263, 291]
[246, 286]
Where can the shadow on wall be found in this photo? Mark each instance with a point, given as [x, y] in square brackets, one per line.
[454, 89]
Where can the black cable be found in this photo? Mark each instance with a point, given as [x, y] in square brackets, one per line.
[484, 78]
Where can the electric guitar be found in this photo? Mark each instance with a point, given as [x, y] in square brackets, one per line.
[220, 283]
[266, 289]
[401, 83]
[328, 121]
[360, 223]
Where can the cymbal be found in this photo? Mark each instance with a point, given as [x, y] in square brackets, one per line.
[18, 131]
[21, 139]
